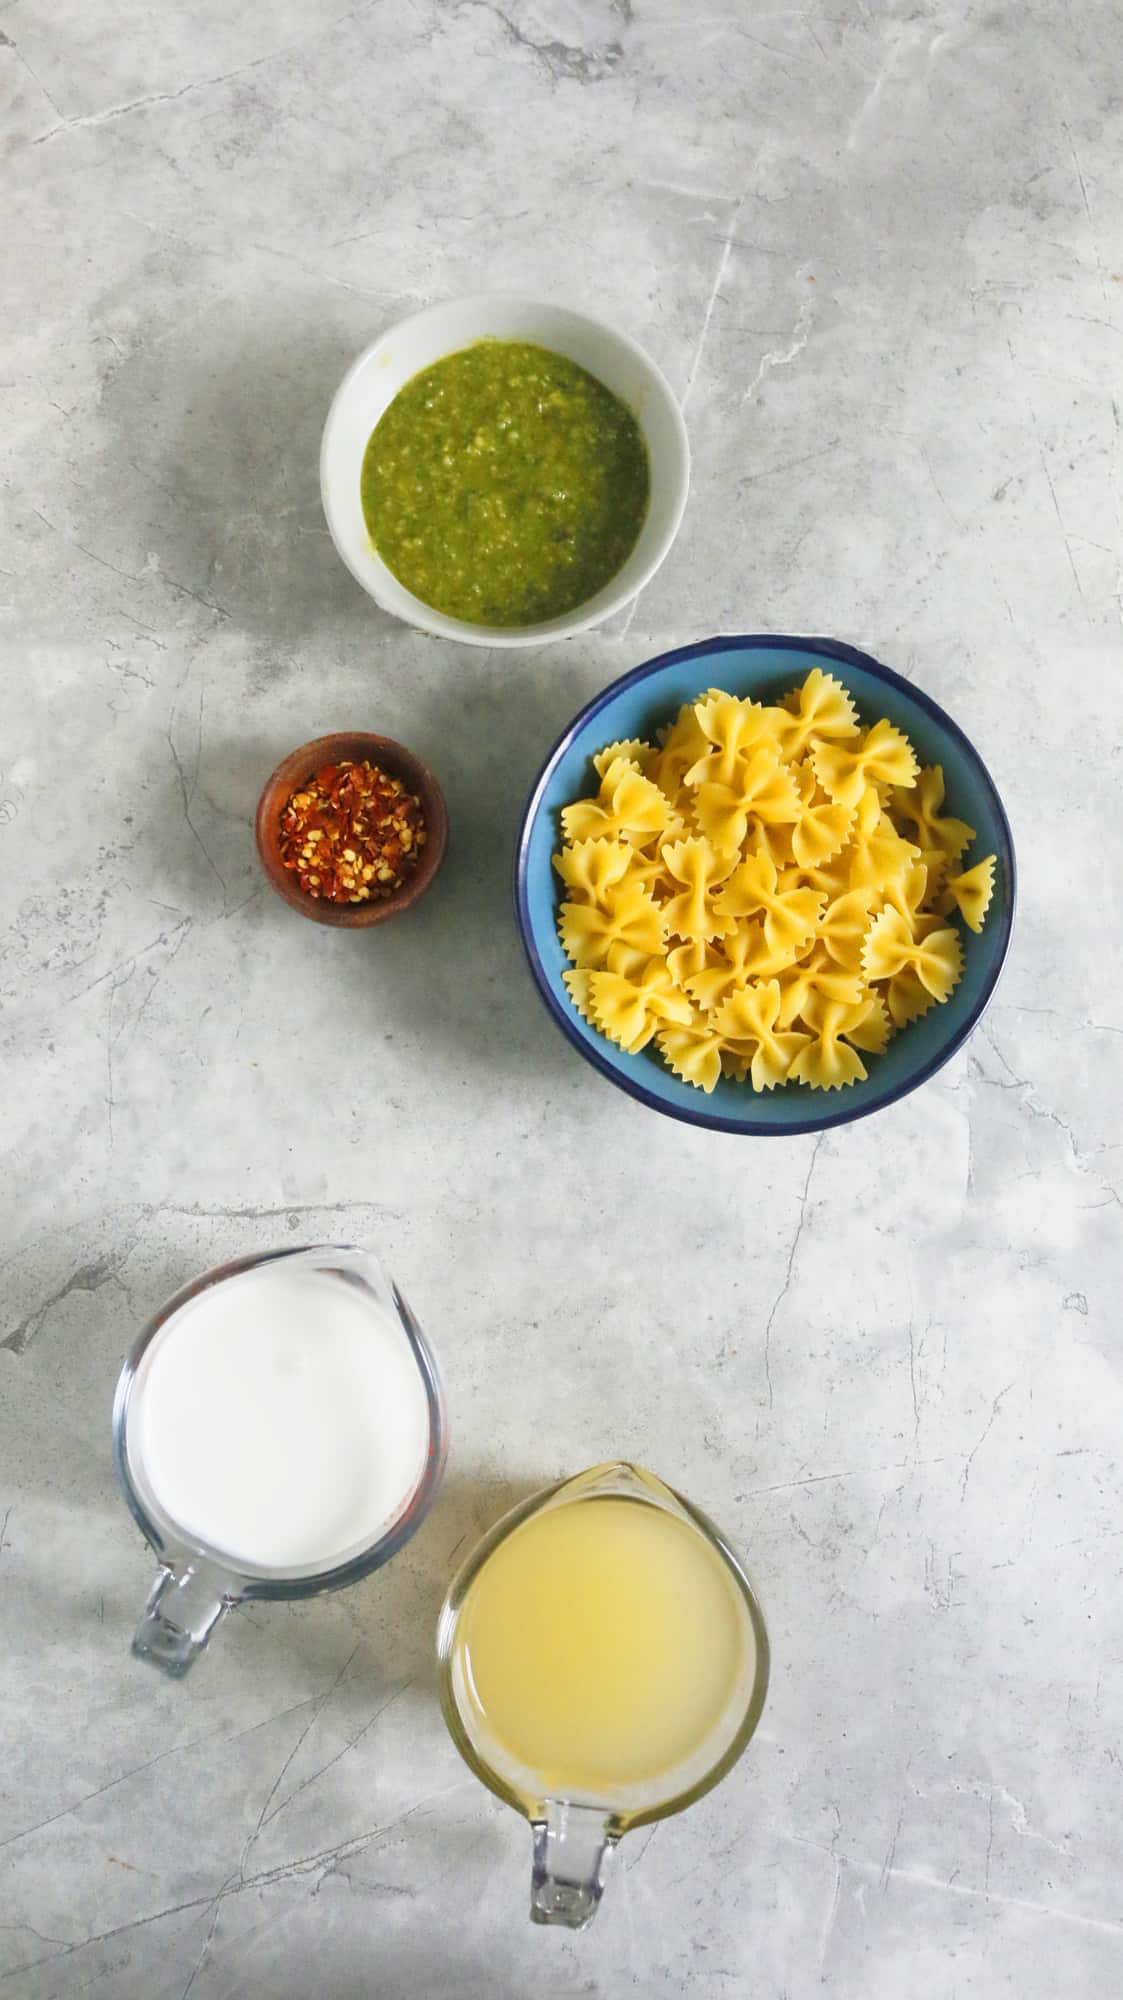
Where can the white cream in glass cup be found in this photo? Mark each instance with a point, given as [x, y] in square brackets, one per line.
[279, 1429]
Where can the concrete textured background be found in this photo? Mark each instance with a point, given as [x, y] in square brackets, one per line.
[878, 249]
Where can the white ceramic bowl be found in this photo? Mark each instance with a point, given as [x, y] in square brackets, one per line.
[395, 357]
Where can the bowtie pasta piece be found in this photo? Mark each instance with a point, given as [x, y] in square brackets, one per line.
[746, 899]
[868, 1026]
[821, 711]
[735, 962]
[634, 751]
[629, 1011]
[907, 998]
[832, 879]
[843, 926]
[941, 839]
[822, 828]
[627, 804]
[693, 912]
[576, 983]
[649, 870]
[790, 915]
[816, 976]
[884, 756]
[684, 961]
[829, 1061]
[970, 894]
[907, 894]
[627, 959]
[682, 746]
[737, 1060]
[629, 917]
[764, 790]
[775, 841]
[890, 947]
[878, 854]
[750, 1017]
[732, 729]
[591, 868]
[694, 1052]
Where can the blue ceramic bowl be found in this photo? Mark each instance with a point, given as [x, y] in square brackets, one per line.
[765, 668]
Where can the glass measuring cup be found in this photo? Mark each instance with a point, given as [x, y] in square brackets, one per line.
[199, 1579]
[601, 1670]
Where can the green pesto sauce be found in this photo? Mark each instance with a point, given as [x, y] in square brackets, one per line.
[505, 485]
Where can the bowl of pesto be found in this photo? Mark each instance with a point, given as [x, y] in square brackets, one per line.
[503, 472]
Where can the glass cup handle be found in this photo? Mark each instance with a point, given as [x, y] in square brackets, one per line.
[572, 1848]
[185, 1604]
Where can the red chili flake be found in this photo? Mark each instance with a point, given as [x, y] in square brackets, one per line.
[352, 832]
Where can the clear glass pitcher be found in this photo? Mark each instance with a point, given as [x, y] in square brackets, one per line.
[600, 1671]
[198, 1581]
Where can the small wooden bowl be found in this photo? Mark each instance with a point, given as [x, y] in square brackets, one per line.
[295, 771]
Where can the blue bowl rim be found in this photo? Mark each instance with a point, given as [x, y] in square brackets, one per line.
[840, 1114]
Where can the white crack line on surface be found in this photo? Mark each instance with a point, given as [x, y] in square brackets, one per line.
[832, 1915]
[114, 111]
[983, 1436]
[1019, 1817]
[886, 1869]
[850, 1472]
[187, 794]
[916, 1878]
[711, 302]
[239, 1879]
[905, 40]
[324, 1860]
[338, 1756]
[90, 1277]
[98, 1271]
[872, 98]
[1083, 186]
[36, 79]
[781, 357]
[129, 575]
[1037, 1108]
[1065, 537]
[321, 1703]
[786, 1286]
[134, 1770]
[561, 60]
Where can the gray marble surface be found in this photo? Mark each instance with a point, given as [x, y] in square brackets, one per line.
[879, 251]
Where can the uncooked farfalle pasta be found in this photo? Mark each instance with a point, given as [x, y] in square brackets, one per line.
[767, 892]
